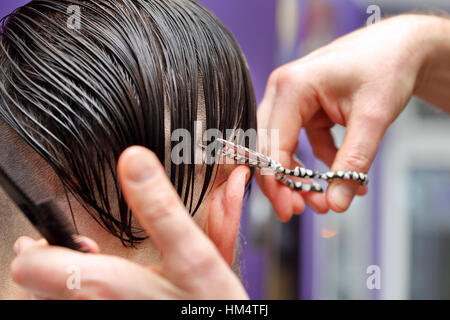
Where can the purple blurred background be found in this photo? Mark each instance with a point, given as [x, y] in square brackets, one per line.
[254, 23]
[325, 257]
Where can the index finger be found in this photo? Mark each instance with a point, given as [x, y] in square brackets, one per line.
[60, 273]
[289, 103]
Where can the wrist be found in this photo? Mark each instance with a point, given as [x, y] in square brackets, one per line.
[432, 44]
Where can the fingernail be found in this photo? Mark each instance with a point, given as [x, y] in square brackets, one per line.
[87, 245]
[139, 169]
[341, 195]
[298, 203]
[297, 159]
[247, 176]
[23, 243]
[17, 247]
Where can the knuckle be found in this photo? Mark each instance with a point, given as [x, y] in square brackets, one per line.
[286, 76]
[283, 77]
[163, 202]
[157, 212]
[375, 116]
[273, 77]
[158, 198]
[158, 177]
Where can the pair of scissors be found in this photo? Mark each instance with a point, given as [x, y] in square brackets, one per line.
[258, 160]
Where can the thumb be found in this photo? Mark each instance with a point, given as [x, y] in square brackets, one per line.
[156, 204]
[361, 141]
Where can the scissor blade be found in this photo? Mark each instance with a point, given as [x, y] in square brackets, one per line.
[252, 157]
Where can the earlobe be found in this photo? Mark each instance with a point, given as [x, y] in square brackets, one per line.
[225, 212]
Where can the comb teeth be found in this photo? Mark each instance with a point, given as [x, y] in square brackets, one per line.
[46, 217]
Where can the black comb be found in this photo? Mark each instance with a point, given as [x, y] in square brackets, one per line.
[46, 216]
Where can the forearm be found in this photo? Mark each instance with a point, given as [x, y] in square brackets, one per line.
[433, 82]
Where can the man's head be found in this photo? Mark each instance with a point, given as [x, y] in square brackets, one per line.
[132, 73]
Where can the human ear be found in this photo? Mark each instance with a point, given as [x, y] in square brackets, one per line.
[224, 212]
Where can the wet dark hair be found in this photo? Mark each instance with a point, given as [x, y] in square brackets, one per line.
[79, 97]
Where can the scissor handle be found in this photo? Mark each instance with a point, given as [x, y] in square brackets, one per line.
[327, 176]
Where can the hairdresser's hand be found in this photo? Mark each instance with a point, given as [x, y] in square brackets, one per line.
[361, 81]
[191, 268]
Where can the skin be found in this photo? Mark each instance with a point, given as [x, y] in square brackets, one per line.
[362, 81]
[220, 228]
